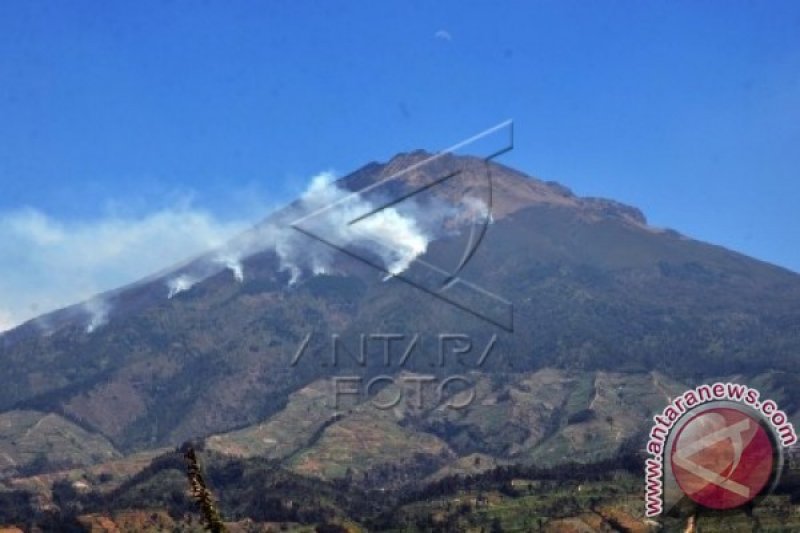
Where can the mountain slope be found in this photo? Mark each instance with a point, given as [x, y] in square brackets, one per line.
[32, 442]
[594, 289]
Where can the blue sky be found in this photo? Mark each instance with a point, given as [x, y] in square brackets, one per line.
[120, 116]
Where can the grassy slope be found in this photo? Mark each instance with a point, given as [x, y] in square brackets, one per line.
[31, 441]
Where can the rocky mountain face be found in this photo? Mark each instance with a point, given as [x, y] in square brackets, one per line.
[570, 322]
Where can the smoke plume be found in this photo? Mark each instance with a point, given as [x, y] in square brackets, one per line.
[179, 284]
[97, 309]
[397, 235]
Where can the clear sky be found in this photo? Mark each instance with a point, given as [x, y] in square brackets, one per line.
[121, 119]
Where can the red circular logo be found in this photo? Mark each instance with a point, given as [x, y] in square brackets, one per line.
[722, 458]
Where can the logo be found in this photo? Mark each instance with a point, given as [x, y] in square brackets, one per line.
[722, 458]
[721, 446]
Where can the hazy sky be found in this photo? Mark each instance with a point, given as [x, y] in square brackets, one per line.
[161, 128]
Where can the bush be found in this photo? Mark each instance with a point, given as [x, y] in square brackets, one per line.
[584, 415]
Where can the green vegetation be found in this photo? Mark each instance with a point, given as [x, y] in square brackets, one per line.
[612, 319]
[199, 491]
[256, 494]
[32, 442]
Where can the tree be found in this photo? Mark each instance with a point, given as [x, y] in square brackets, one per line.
[201, 494]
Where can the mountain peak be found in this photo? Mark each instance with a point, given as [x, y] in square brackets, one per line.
[511, 190]
[592, 288]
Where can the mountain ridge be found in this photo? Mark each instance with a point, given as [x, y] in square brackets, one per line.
[594, 288]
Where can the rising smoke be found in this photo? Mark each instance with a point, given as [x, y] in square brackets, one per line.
[234, 264]
[179, 284]
[97, 309]
[397, 235]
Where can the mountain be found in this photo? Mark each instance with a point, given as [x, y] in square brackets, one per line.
[611, 317]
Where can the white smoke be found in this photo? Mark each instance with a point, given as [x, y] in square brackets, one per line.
[476, 209]
[49, 262]
[179, 284]
[396, 235]
[97, 309]
[6, 321]
[234, 264]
